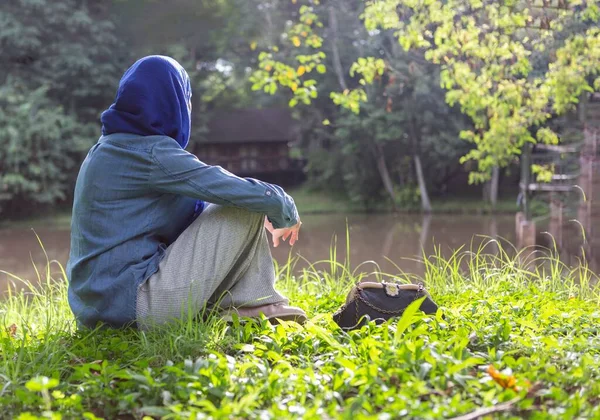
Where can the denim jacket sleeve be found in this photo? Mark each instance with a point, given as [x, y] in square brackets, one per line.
[176, 171]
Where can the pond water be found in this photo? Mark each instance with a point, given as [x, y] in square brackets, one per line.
[393, 242]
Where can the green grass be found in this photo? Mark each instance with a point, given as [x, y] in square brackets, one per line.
[314, 201]
[540, 327]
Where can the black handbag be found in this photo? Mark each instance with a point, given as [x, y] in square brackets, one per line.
[378, 302]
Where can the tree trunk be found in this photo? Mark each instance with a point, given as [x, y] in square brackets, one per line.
[425, 202]
[385, 174]
[494, 183]
[337, 63]
[416, 146]
[270, 29]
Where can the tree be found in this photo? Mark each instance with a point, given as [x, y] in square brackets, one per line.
[68, 46]
[486, 50]
[60, 63]
[493, 59]
[406, 114]
[39, 146]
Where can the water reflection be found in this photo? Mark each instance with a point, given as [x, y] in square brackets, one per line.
[21, 253]
[392, 242]
[397, 242]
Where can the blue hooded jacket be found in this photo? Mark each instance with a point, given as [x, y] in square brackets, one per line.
[154, 98]
[138, 190]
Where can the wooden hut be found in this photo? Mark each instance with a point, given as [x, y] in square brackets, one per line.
[250, 142]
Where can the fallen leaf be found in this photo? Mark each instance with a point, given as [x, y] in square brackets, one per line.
[505, 381]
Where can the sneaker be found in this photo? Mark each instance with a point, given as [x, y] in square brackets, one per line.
[273, 312]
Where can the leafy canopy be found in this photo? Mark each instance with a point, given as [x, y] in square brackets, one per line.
[59, 66]
[488, 52]
[509, 65]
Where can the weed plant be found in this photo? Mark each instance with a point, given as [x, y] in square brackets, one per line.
[516, 336]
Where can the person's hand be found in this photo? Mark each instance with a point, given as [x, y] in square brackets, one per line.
[284, 233]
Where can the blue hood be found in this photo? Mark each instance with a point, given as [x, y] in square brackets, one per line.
[154, 98]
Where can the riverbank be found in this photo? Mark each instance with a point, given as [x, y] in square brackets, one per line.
[514, 342]
[319, 202]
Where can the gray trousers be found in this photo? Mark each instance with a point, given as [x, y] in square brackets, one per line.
[222, 259]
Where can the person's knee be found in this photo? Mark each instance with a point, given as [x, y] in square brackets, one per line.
[234, 215]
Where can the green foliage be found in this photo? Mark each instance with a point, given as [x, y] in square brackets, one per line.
[408, 197]
[369, 68]
[543, 173]
[301, 41]
[39, 145]
[349, 99]
[405, 115]
[569, 75]
[504, 333]
[68, 46]
[60, 64]
[485, 50]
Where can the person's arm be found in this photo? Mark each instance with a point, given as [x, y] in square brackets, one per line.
[176, 171]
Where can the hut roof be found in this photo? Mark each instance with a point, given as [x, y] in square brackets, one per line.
[251, 125]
